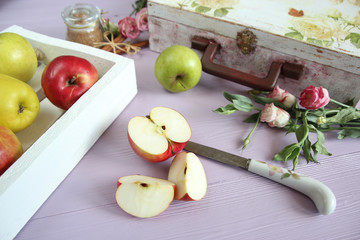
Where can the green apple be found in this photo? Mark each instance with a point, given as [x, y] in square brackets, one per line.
[19, 104]
[17, 57]
[10, 148]
[178, 68]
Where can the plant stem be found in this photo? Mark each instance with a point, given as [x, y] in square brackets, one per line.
[247, 139]
[338, 128]
[341, 104]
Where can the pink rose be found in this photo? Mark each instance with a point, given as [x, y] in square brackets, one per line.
[282, 96]
[314, 97]
[128, 28]
[274, 116]
[141, 19]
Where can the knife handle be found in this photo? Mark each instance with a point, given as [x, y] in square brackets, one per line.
[323, 198]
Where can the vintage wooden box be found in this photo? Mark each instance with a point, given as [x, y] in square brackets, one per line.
[306, 42]
[58, 139]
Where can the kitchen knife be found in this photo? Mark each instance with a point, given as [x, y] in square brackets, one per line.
[318, 192]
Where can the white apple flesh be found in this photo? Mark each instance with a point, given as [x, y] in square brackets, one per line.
[159, 136]
[187, 172]
[143, 196]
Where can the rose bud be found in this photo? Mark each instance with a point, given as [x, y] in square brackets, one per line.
[314, 97]
[128, 28]
[282, 96]
[274, 116]
[141, 19]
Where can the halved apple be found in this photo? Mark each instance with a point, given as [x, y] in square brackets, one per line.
[188, 174]
[160, 135]
[143, 196]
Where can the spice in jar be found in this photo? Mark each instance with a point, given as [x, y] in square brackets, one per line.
[83, 24]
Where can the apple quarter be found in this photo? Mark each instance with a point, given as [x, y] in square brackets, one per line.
[187, 172]
[143, 196]
[84, 122]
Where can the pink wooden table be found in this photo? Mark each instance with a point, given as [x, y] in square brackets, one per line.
[238, 204]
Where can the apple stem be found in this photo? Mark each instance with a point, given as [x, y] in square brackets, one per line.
[72, 80]
[144, 184]
[21, 108]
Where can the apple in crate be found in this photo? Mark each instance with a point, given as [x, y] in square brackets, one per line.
[188, 174]
[143, 196]
[10, 148]
[19, 104]
[160, 135]
[66, 78]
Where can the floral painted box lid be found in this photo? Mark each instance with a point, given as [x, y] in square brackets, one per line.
[330, 27]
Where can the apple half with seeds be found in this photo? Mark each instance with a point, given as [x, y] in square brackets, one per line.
[160, 135]
[143, 196]
[188, 174]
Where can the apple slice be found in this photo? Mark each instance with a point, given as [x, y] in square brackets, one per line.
[160, 135]
[187, 172]
[143, 196]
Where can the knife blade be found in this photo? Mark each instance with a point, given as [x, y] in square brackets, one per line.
[218, 155]
[323, 198]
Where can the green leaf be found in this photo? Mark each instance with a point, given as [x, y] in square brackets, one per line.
[232, 97]
[285, 175]
[352, 133]
[252, 118]
[240, 102]
[307, 151]
[194, 4]
[202, 9]
[327, 43]
[228, 109]
[221, 12]
[315, 41]
[344, 115]
[243, 106]
[354, 39]
[287, 153]
[295, 35]
[319, 147]
[265, 100]
[301, 133]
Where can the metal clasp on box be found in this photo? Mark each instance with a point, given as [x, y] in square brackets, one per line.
[246, 41]
[210, 48]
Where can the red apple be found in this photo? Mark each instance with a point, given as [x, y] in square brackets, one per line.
[10, 148]
[187, 172]
[143, 196]
[160, 135]
[66, 78]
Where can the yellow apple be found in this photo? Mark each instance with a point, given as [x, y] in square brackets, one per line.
[17, 57]
[19, 104]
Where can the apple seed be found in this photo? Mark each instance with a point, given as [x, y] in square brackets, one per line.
[144, 184]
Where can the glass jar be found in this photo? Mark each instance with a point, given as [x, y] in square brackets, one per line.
[83, 24]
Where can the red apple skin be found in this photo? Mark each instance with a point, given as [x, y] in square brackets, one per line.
[10, 148]
[150, 157]
[66, 78]
[178, 147]
[186, 197]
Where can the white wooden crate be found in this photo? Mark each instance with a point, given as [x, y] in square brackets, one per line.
[57, 140]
